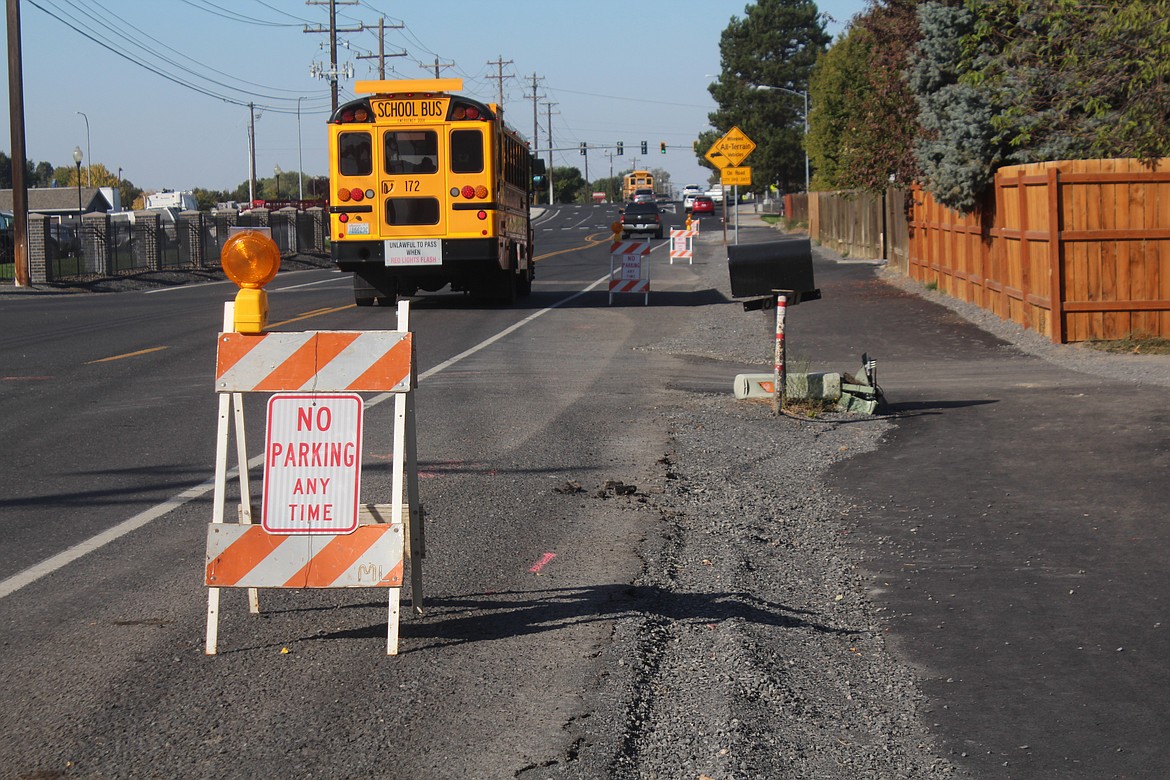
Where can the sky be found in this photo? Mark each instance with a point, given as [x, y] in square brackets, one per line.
[160, 88]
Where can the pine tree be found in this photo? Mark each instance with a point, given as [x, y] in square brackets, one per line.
[957, 155]
[775, 44]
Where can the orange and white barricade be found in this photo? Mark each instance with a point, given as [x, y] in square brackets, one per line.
[629, 269]
[682, 245]
[314, 532]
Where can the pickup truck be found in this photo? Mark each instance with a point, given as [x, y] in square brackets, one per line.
[641, 218]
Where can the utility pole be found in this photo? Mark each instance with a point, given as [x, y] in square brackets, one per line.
[549, 106]
[610, 155]
[535, 126]
[382, 55]
[332, 74]
[500, 63]
[440, 65]
[251, 153]
[16, 131]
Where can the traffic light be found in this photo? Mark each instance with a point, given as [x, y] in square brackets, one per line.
[619, 149]
[643, 147]
[662, 147]
[583, 148]
[539, 171]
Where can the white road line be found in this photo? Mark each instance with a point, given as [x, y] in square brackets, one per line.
[65, 557]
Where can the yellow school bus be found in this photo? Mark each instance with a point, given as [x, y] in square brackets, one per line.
[428, 189]
[636, 180]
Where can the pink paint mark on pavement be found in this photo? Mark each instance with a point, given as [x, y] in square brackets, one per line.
[544, 561]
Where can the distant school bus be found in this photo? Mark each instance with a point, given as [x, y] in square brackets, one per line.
[636, 180]
[428, 189]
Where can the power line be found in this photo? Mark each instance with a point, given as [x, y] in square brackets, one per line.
[227, 13]
[105, 42]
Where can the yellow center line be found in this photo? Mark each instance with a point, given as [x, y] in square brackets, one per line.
[127, 355]
[311, 314]
[591, 242]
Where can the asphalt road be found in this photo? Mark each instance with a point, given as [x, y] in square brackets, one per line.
[1009, 533]
[109, 431]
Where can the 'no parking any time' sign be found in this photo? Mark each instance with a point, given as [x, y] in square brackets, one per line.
[312, 463]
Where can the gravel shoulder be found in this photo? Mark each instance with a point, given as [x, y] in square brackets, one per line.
[753, 651]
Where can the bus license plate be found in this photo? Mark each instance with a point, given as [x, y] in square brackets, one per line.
[421, 251]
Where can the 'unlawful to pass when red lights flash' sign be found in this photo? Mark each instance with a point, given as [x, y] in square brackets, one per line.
[312, 463]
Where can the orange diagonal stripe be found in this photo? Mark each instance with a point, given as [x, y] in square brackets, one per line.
[387, 371]
[243, 555]
[332, 560]
[303, 364]
[393, 577]
[233, 347]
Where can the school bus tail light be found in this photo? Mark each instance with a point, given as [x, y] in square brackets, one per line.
[461, 112]
[360, 113]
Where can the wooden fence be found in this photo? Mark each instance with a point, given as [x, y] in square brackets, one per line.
[1076, 249]
[850, 223]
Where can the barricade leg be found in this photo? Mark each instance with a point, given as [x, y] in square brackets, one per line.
[392, 622]
[245, 485]
[221, 446]
[211, 641]
[416, 533]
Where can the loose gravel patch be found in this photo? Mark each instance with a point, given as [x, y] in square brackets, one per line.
[756, 653]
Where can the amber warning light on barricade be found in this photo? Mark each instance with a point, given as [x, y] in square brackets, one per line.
[251, 260]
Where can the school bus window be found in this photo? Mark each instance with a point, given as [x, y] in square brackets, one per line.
[353, 154]
[411, 151]
[466, 151]
[412, 211]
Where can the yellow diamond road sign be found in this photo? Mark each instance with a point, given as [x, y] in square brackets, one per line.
[715, 157]
[735, 146]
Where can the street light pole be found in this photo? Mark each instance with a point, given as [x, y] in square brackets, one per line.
[799, 94]
[276, 170]
[88, 152]
[77, 159]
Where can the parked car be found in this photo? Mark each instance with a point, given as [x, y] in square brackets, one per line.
[641, 218]
[702, 204]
